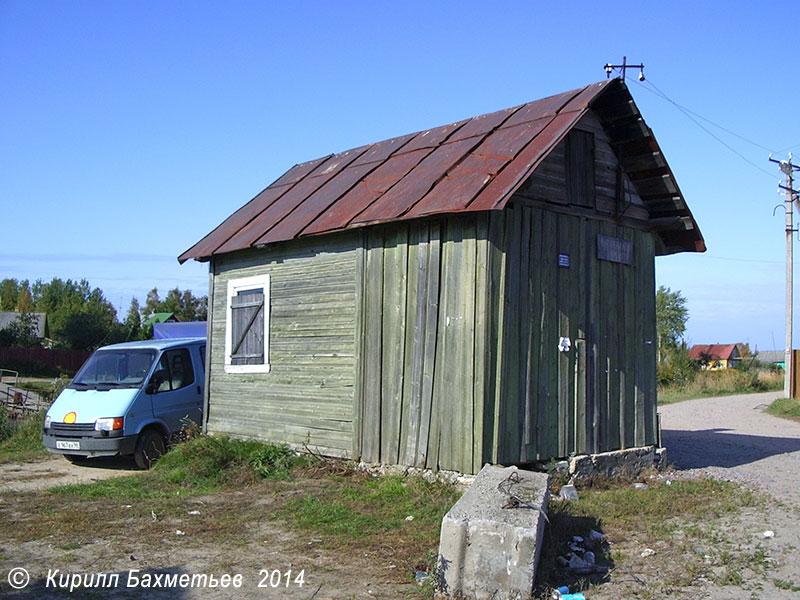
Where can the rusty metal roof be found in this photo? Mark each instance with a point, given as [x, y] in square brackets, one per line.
[713, 352]
[472, 165]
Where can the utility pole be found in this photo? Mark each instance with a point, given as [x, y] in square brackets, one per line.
[788, 169]
[624, 68]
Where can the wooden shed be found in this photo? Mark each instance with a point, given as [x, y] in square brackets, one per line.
[478, 292]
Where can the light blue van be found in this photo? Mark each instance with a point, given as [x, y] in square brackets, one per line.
[129, 399]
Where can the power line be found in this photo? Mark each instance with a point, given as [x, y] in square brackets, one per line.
[709, 121]
[746, 260]
[689, 115]
[787, 149]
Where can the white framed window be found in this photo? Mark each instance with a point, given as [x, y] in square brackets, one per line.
[247, 325]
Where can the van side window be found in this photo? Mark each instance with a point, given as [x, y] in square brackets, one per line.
[175, 370]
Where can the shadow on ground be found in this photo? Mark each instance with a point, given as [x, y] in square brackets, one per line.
[719, 448]
[115, 463]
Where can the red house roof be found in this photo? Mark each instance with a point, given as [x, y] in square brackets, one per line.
[713, 352]
[471, 165]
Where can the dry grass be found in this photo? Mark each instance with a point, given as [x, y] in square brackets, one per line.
[722, 383]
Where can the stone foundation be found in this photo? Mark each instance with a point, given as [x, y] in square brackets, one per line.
[626, 464]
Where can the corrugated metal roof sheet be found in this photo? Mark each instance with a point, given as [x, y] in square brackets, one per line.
[475, 164]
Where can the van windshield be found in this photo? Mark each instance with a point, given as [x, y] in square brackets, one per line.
[114, 368]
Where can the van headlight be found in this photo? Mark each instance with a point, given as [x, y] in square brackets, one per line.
[108, 423]
[47, 422]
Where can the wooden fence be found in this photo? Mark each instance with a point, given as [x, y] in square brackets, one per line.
[70, 360]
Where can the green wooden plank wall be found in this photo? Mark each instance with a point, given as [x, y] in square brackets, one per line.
[424, 343]
[308, 395]
[456, 324]
[599, 395]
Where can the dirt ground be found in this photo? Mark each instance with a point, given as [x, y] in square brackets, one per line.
[729, 438]
[269, 559]
[55, 470]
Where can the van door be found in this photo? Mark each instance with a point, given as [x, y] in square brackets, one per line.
[179, 393]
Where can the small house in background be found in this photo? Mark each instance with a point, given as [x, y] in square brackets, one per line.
[479, 292]
[161, 317]
[39, 320]
[715, 357]
[772, 358]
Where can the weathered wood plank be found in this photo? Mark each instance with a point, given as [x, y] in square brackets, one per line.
[483, 351]
[511, 437]
[647, 295]
[395, 276]
[604, 324]
[453, 397]
[527, 332]
[584, 279]
[631, 349]
[359, 397]
[430, 336]
[566, 313]
[548, 373]
[414, 335]
[437, 440]
[640, 363]
[497, 286]
[464, 438]
[373, 319]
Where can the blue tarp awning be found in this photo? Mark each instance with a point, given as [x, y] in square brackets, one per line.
[164, 331]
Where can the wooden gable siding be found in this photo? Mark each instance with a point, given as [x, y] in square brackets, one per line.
[613, 193]
[307, 397]
[425, 306]
[600, 394]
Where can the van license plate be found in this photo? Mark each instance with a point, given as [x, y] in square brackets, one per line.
[68, 445]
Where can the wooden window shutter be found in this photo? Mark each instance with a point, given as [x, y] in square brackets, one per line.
[247, 328]
[580, 168]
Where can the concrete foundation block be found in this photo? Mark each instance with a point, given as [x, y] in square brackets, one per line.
[610, 465]
[487, 551]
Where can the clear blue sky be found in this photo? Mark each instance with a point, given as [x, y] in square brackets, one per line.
[129, 130]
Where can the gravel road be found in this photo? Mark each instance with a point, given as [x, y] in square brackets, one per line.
[733, 438]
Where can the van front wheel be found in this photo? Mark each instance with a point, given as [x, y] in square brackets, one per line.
[149, 448]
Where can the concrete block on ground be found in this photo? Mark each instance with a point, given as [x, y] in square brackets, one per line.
[487, 551]
[609, 465]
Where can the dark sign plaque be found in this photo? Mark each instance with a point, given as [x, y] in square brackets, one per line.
[614, 249]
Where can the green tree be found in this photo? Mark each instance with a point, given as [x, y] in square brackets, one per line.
[9, 294]
[677, 369]
[133, 321]
[183, 304]
[152, 303]
[80, 317]
[25, 302]
[671, 317]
